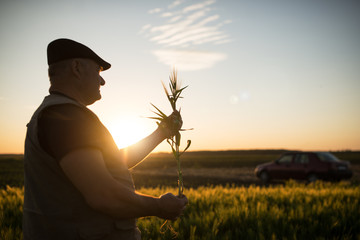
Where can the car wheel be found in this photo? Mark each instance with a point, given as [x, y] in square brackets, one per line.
[312, 178]
[264, 177]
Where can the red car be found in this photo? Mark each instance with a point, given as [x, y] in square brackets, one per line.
[309, 166]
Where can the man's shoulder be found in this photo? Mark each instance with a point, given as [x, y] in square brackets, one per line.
[65, 109]
[68, 112]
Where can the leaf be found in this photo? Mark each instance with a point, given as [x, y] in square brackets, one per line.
[160, 112]
[165, 89]
[178, 92]
[173, 151]
[178, 138]
[156, 118]
[183, 88]
[187, 129]
[188, 145]
[171, 87]
[171, 142]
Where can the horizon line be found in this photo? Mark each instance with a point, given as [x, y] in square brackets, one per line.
[241, 149]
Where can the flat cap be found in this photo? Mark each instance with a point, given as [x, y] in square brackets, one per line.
[63, 49]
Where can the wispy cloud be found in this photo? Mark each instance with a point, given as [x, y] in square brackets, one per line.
[155, 10]
[188, 60]
[175, 3]
[185, 27]
[198, 6]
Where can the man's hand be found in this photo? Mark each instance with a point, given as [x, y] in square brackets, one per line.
[171, 206]
[137, 152]
[171, 125]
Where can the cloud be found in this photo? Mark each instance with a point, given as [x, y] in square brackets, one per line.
[155, 10]
[144, 28]
[176, 18]
[194, 30]
[185, 60]
[167, 14]
[198, 6]
[175, 3]
[187, 26]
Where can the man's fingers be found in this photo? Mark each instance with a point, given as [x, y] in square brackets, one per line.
[172, 206]
[186, 201]
[183, 198]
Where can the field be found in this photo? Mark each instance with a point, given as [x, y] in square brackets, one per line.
[226, 201]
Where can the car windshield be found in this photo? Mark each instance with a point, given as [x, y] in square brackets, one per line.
[285, 159]
[327, 157]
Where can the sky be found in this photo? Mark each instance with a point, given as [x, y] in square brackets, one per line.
[261, 74]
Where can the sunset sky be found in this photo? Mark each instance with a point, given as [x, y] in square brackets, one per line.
[262, 74]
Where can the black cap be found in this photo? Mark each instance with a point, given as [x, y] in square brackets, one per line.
[63, 49]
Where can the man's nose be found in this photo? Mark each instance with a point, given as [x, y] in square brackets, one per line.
[102, 81]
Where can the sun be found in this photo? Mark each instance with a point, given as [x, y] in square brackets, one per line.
[127, 131]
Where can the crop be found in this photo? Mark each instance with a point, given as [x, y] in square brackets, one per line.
[11, 207]
[294, 211]
[174, 141]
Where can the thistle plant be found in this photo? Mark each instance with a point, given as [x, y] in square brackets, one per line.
[174, 141]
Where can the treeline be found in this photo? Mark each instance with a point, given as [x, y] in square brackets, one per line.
[230, 158]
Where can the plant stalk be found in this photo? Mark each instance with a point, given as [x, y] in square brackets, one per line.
[173, 94]
[180, 181]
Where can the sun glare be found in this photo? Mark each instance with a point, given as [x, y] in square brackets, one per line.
[127, 131]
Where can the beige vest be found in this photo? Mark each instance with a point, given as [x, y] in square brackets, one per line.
[53, 207]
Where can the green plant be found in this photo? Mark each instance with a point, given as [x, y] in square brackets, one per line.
[174, 141]
[291, 211]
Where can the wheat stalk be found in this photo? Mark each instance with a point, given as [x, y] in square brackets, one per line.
[173, 96]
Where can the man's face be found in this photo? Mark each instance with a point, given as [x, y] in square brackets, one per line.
[91, 82]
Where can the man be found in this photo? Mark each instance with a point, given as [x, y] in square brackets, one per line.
[77, 182]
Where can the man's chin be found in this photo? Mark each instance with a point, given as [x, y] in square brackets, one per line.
[94, 100]
[98, 97]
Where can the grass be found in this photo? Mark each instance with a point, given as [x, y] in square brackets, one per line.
[11, 206]
[293, 211]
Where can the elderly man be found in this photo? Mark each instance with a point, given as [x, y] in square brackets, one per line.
[77, 182]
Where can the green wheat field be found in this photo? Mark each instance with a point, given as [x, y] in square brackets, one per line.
[232, 206]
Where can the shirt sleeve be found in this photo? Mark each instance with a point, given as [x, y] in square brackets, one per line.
[67, 127]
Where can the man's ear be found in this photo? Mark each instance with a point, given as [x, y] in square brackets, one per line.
[77, 68]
